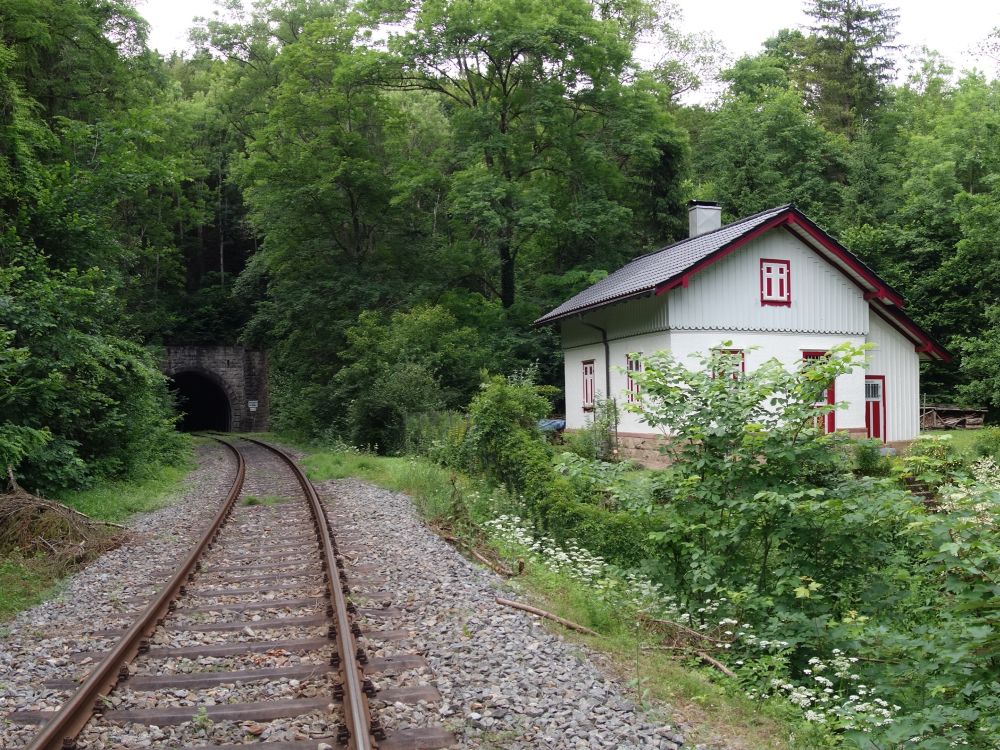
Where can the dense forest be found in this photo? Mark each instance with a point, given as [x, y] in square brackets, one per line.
[385, 195]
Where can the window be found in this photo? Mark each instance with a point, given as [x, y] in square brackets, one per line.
[736, 363]
[633, 363]
[775, 282]
[588, 384]
[828, 396]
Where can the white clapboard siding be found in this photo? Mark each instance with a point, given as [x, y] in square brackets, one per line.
[630, 318]
[895, 357]
[726, 295]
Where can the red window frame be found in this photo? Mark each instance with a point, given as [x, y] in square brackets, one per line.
[588, 384]
[831, 390]
[633, 364]
[743, 361]
[779, 299]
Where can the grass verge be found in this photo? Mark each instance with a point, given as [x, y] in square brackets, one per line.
[116, 501]
[713, 708]
[27, 579]
[963, 440]
[24, 581]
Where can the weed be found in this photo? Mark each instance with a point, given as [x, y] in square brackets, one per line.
[201, 720]
[252, 500]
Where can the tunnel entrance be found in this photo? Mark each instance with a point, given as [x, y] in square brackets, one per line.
[202, 403]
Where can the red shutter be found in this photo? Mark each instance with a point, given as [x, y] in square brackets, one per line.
[829, 396]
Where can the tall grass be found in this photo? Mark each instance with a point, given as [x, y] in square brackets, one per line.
[116, 501]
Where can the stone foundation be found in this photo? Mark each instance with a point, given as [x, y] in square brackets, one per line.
[642, 448]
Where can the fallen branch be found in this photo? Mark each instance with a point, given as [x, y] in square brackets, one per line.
[716, 663]
[495, 566]
[547, 615]
[64, 534]
[684, 629]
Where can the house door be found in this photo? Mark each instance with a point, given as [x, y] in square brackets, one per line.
[875, 406]
[828, 396]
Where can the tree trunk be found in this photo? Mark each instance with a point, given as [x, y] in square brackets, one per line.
[506, 272]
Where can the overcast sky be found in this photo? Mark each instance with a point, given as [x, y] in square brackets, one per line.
[953, 28]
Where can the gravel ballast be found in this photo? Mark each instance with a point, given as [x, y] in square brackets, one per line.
[505, 680]
[41, 643]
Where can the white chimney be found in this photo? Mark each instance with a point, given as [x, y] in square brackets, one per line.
[703, 216]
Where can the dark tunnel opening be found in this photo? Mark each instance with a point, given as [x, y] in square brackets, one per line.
[202, 403]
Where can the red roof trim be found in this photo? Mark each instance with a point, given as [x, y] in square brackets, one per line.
[842, 254]
[788, 218]
[739, 242]
[925, 344]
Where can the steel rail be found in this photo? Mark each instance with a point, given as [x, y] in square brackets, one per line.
[357, 713]
[61, 731]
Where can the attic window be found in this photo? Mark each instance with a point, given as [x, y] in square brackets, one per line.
[775, 282]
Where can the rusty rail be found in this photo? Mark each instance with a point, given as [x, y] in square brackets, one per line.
[61, 731]
[360, 727]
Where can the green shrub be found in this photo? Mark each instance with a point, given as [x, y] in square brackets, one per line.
[933, 460]
[987, 443]
[598, 441]
[617, 536]
[436, 434]
[503, 440]
[80, 400]
[868, 459]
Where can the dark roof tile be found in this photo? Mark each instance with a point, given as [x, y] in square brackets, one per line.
[643, 274]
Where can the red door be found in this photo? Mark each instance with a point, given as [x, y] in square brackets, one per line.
[875, 406]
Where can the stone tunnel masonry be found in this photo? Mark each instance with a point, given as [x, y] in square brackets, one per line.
[240, 372]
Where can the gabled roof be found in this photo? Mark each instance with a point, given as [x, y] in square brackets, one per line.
[673, 265]
[643, 274]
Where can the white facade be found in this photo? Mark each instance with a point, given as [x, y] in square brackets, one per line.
[723, 302]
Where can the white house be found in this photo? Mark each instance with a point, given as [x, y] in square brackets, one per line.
[775, 285]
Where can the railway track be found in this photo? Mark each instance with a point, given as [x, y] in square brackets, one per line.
[262, 605]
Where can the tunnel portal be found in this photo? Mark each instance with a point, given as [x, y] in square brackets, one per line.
[222, 388]
[202, 403]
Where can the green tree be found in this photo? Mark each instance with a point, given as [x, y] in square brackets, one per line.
[848, 61]
[71, 374]
[539, 117]
[981, 362]
[768, 150]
